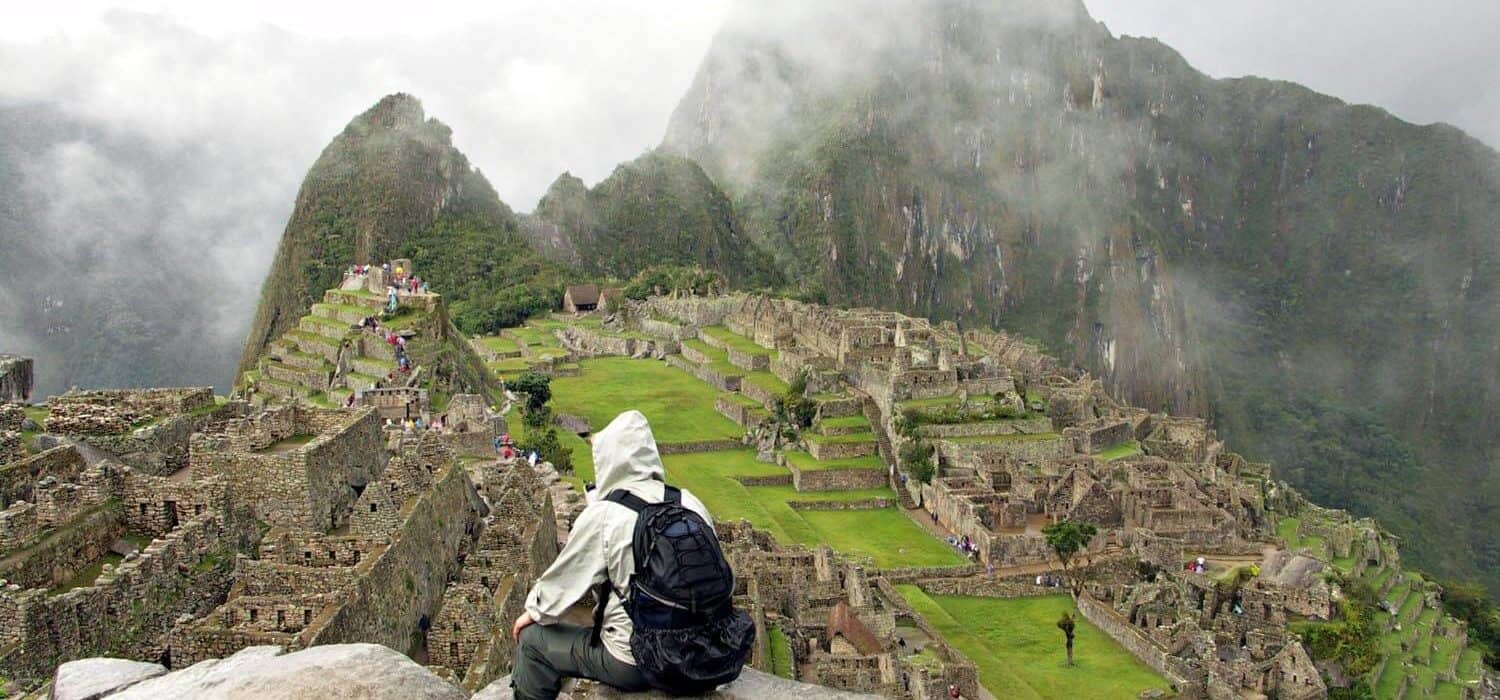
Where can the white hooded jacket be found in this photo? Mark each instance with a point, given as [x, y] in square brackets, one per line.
[625, 457]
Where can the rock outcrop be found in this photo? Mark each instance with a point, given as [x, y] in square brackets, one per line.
[260, 673]
[346, 671]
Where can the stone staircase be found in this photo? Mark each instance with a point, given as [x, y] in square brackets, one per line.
[326, 356]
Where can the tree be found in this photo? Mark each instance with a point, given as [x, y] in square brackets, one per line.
[1067, 538]
[536, 387]
[1066, 625]
[916, 460]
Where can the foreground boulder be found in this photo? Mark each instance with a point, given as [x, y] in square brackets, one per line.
[751, 685]
[261, 673]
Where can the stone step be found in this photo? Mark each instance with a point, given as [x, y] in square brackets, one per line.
[314, 344]
[343, 313]
[354, 298]
[371, 366]
[301, 360]
[328, 328]
[837, 428]
[375, 348]
[312, 379]
[357, 381]
[280, 389]
[839, 449]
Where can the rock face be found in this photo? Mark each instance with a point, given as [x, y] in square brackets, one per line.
[392, 175]
[658, 209]
[89, 679]
[260, 673]
[1319, 277]
[751, 685]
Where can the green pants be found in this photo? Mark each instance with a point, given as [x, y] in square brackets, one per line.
[549, 653]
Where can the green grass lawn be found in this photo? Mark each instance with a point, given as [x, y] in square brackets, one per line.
[680, 408]
[767, 381]
[846, 422]
[497, 343]
[1019, 650]
[1124, 449]
[937, 402]
[884, 535]
[734, 340]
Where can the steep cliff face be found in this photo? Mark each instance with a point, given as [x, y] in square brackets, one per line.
[392, 176]
[658, 209]
[1319, 277]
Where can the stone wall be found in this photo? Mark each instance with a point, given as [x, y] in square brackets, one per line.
[128, 610]
[1022, 426]
[407, 581]
[1137, 643]
[18, 479]
[65, 550]
[16, 374]
[692, 311]
[822, 450]
[310, 486]
[836, 479]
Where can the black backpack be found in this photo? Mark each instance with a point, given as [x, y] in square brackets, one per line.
[688, 638]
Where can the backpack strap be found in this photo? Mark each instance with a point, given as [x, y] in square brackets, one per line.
[672, 495]
[628, 499]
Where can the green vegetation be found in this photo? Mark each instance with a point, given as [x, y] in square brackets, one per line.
[736, 341]
[1288, 529]
[916, 460]
[1125, 449]
[779, 651]
[1314, 372]
[885, 535]
[680, 408]
[1067, 538]
[659, 214]
[805, 462]
[1015, 644]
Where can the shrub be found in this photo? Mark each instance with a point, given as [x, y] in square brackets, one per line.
[536, 387]
[550, 449]
[916, 460]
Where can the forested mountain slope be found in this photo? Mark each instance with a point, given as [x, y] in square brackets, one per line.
[1318, 277]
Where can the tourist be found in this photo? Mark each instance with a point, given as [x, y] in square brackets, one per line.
[507, 452]
[424, 287]
[496, 444]
[533, 458]
[599, 551]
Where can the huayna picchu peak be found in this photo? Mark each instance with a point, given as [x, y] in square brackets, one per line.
[931, 349]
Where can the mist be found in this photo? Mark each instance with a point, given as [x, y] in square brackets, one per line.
[152, 159]
[149, 159]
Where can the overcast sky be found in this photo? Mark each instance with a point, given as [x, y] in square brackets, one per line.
[535, 88]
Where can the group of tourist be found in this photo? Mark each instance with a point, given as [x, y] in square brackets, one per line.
[506, 449]
[1049, 581]
[416, 424]
[965, 546]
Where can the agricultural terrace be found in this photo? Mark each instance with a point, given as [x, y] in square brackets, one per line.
[1019, 650]
[681, 410]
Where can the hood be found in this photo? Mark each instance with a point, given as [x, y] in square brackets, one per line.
[625, 452]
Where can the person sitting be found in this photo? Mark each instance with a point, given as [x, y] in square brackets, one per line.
[691, 649]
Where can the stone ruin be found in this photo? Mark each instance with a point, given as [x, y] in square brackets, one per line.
[288, 525]
[15, 378]
[841, 620]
